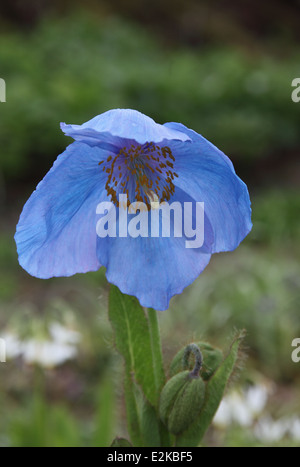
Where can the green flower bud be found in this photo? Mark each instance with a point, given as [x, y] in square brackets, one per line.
[212, 359]
[169, 393]
[181, 401]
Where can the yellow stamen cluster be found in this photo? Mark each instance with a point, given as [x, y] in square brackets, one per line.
[144, 173]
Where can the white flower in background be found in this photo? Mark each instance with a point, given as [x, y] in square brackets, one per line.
[242, 407]
[241, 412]
[13, 345]
[269, 430]
[256, 398]
[295, 429]
[223, 416]
[233, 409]
[47, 352]
[64, 335]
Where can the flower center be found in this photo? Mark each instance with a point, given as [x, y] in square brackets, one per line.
[144, 173]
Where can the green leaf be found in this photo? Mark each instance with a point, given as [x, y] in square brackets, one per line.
[133, 419]
[150, 426]
[133, 341]
[214, 392]
[153, 431]
[121, 443]
[105, 414]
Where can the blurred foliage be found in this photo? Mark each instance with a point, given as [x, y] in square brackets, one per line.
[34, 425]
[276, 216]
[73, 69]
[192, 22]
[253, 291]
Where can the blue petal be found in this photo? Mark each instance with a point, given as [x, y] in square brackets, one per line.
[56, 233]
[153, 269]
[207, 175]
[120, 125]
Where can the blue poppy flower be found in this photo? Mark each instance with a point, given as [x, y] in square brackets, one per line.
[123, 152]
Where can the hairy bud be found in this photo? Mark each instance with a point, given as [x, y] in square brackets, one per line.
[181, 401]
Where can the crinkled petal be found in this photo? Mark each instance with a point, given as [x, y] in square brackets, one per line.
[56, 233]
[207, 175]
[153, 268]
[117, 126]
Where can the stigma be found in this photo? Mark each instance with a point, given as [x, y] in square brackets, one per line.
[145, 173]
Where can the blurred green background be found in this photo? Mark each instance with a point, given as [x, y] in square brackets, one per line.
[224, 70]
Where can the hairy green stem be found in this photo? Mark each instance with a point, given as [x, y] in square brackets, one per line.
[159, 373]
